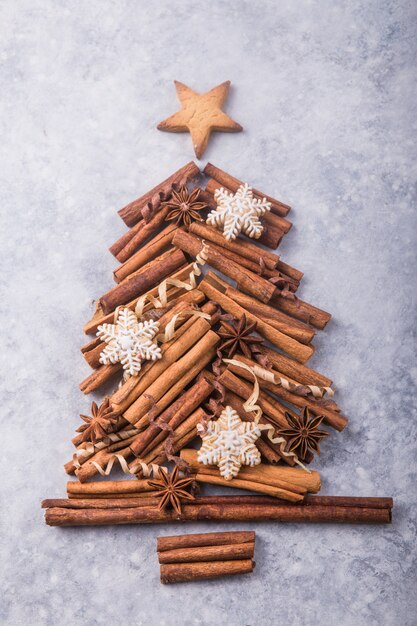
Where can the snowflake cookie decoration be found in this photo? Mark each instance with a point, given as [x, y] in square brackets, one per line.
[239, 212]
[129, 342]
[229, 443]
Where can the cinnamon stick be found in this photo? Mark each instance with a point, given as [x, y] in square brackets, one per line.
[279, 208]
[148, 252]
[254, 284]
[241, 247]
[292, 478]
[99, 317]
[289, 345]
[204, 539]
[107, 488]
[280, 321]
[293, 370]
[102, 503]
[218, 508]
[198, 554]
[301, 310]
[257, 487]
[140, 283]
[186, 572]
[131, 213]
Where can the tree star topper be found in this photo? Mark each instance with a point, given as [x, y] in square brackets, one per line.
[229, 443]
[129, 342]
[239, 212]
[200, 114]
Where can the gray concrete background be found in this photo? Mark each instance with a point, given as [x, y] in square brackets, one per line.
[325, 92]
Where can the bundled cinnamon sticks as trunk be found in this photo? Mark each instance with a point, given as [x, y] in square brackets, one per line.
[314, 509]
[186, 558]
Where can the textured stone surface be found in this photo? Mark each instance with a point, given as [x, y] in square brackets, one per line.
[325, 93]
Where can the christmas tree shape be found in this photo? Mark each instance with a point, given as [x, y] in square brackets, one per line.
[205, 340]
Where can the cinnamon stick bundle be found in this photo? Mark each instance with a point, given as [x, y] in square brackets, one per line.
[232, 183]
[316, 509]
[254, 284]
[199, 355]
[140, 283]
[290, 478]
[131, 213]
[99, 317]
[241, 247]
[210, 286]
[282, 322]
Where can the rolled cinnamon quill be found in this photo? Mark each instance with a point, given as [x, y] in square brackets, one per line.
[254, 284]
[140, 283]
[187, 572]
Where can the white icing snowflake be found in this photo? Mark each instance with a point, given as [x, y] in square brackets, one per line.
[239, 212]
[229, 443]
[129, 342]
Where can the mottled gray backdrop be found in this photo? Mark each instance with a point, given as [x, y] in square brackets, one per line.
[325, 92]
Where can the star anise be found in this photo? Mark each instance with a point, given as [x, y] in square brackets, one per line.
[303, 434]
[184, 206]
[171, 489]
[237, 336]
[102, 422]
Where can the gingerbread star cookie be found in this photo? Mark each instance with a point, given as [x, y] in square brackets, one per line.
[200, 114]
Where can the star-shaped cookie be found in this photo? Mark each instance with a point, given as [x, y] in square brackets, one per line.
[200, 114]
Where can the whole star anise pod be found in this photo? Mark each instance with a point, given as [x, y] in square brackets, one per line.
[237, 336]
[171, 489]
[303, 434]
[184, 206]
[101, 423]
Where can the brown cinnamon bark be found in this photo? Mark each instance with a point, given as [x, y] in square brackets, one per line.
[291, 346]
[280, 321]
[279, 208]
[108, 488]
[187, 572]
[232, 552]
[241, 247]
[144, 231]
[148, 252]
[102, 503]
[258, 487]
[198, 540]
[301, 310]
[140, 283]
[199, 355]
[254, 284]
[332, 418]
[217, 508]
[292, 272]
[268, 219]
[183, 435]
[181, 342]
[182, 408]
[99, 317]
[131, 213]
[293, 479]
[105, 373]
[295, 371]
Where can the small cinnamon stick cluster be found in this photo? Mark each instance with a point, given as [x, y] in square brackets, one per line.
[186, 558]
